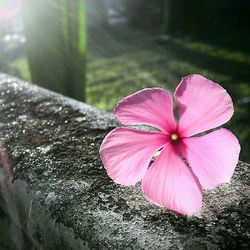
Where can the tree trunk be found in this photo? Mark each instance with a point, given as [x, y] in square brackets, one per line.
[56, 44]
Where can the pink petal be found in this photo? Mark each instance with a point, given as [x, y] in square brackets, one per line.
[126, 153]
[152, 107]
[203, 105]
[212, 157]
[170, 183]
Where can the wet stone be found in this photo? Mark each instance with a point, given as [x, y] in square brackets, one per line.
[55, 193]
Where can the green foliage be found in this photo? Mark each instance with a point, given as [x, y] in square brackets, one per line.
[20, 68]
[214, 51]
[109, 81]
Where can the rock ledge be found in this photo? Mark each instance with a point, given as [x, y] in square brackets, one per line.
[55, 194]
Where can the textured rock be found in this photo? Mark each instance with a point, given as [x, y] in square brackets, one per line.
[55, 193]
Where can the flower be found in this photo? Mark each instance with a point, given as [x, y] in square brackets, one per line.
[187, 160]
[8, 9]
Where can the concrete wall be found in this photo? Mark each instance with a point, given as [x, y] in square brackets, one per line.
[55, 193]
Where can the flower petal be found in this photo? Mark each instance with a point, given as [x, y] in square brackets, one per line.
[212, 157]
[152, 107]
[126, 153]
[203, 105]
[170, 183]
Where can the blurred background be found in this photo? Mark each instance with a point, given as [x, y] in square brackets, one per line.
[99, 51]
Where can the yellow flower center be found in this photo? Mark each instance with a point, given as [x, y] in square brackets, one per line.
[174, 137]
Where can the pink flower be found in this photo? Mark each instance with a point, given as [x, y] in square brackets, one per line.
[8, 9]
[187, 161]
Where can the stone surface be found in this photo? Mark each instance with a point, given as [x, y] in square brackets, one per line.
[55, 193]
